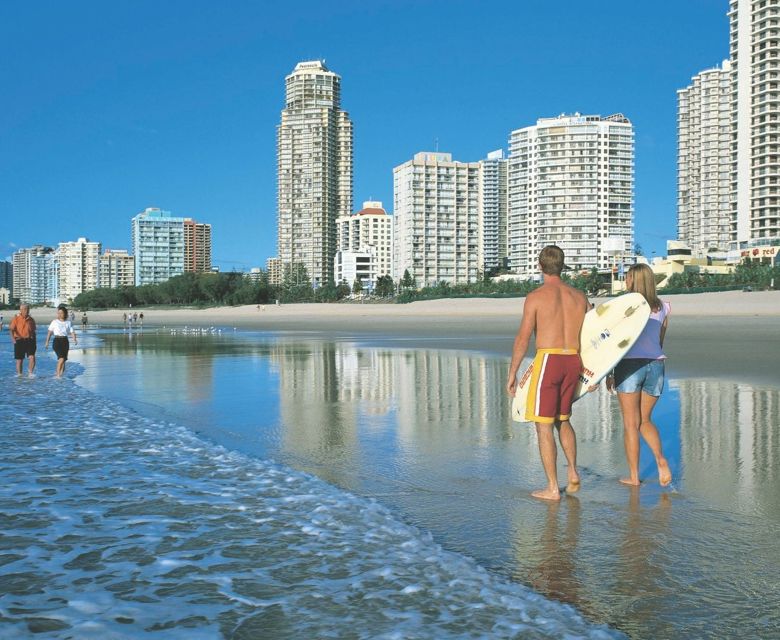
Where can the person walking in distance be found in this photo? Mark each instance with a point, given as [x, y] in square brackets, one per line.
[22, 330]
[554, 314]
[60, 327]
[639, 379]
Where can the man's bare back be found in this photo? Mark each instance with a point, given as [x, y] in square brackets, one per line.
[558, 311]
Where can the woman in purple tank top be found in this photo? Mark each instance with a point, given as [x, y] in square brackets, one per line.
[639, 379]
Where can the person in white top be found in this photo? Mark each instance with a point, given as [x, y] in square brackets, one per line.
[60, 328]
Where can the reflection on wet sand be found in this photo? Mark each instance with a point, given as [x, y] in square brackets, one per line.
[730, 439]
[428, 433]
[555, 573]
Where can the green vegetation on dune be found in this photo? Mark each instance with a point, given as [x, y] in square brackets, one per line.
[214, 289]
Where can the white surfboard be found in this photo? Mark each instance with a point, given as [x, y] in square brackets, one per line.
[608, 332]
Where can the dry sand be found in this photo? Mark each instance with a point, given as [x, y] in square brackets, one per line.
[733, 334]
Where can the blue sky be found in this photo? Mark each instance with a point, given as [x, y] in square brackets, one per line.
[110, 107]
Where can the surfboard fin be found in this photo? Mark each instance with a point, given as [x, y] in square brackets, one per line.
[630, 311]
[602, 308]
[623, 343]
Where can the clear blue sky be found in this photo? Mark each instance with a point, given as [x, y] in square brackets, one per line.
[110, 107]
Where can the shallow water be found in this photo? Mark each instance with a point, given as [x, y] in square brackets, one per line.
[427, 434]
[117, 525]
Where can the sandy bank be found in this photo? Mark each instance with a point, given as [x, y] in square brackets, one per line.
[732, 335]
[468, 313]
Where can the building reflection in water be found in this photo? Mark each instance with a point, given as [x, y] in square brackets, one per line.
[730, 439]
[429, 434]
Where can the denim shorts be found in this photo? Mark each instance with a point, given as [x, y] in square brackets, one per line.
[638, 374]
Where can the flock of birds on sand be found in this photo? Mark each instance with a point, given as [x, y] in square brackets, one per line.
[191, 331]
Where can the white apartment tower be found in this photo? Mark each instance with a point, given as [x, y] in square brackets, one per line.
[494, 207]
[158, 246]
[117, 269]
[571, 183]
[35, 275]
[314, 169]
[755, 118]
[703, 161]
[79, 268]
[437, 234]
[369, 231]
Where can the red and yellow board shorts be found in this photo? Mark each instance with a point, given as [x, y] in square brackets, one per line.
[553, 383]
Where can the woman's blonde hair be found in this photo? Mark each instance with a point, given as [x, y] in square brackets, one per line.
[643, 281]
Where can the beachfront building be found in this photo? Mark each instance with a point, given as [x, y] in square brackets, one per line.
[273, 267]
[35, 275]
[197, 246]
[494, 209]
[369, 232]
[755, 119]
[436, 231]
[314, 170]
[703, 162]
[158, 246]
[571, 183]
[7, 277]
[79, 267]
[5, 295]
[350, 266]
[117, 269]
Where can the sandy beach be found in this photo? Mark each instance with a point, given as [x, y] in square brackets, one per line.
[729, 335]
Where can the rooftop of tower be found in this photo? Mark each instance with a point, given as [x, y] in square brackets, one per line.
[311, 65]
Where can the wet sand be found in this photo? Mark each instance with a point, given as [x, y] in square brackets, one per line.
[728, 335]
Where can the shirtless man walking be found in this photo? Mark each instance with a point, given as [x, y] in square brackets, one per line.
[554, 312]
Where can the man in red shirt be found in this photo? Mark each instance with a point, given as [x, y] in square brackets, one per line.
[22, 330]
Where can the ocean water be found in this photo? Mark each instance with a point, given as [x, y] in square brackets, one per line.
[424, 437]
[117, 524]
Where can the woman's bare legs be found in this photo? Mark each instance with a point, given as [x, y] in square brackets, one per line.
[637, 409]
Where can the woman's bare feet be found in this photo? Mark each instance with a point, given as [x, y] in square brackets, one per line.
[631, 482]
[664, 473]
[574, 483]
[547, 494]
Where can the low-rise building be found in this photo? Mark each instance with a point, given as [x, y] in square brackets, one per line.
[274, 269]
[117, 269]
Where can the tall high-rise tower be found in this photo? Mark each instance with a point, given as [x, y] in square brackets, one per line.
[314, 169]
[571, 183]
[703, 161]
[755, 112]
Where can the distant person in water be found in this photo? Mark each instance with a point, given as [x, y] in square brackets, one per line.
[639, 379]
[554, 312]
[141, 319]
[60, 327]
[84, 321]
[22, 330]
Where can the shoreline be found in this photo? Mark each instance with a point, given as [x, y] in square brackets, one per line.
[726, 335]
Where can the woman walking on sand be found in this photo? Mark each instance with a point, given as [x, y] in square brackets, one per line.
[60, 327]
[639, 379]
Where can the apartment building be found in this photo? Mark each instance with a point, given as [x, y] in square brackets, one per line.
[370, 233]
[314, 169]
[571, 183]
[79, 266]
[117, 269]
[703, 162]
[437, 234]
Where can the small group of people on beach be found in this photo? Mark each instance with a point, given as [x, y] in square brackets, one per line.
[23, 336]
[554, 313]
[131, 320]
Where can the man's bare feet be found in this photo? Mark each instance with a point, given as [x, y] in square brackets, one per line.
[630, 482]
[574, 483]
[547, 494]
[664, 473]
